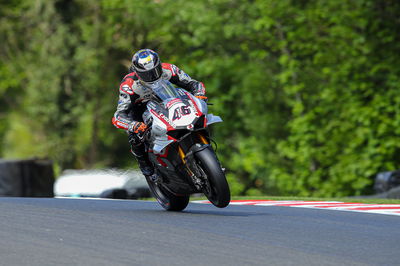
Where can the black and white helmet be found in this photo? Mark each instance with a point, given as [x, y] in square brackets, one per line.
[147, 65]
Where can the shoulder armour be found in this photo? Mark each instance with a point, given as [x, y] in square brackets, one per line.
[127, 83]
[169, 68]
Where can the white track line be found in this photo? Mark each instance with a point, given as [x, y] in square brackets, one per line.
[389, 209]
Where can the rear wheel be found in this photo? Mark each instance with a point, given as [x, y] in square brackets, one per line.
[216, 187]
[166, 199]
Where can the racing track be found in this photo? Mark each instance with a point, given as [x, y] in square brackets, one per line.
[112, 232]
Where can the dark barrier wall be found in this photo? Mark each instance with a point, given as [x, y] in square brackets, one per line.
[26, 178]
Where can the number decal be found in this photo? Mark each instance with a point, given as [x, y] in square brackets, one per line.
[181, 111]
[185, 110]
[177, 114]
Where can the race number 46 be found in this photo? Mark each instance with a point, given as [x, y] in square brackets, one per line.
[181, 111]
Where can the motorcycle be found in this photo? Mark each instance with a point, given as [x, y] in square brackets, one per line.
[179, 145]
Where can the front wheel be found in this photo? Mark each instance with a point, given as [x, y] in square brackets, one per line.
[216, 187]
[166, 199]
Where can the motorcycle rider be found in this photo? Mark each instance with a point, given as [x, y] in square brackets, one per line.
[135, 91]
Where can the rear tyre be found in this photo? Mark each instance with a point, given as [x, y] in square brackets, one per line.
[166, 199]
[217, 188]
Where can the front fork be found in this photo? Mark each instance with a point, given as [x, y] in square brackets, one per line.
[189, 163]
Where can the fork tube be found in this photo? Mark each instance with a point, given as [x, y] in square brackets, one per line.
[181, 154]
[203, 139]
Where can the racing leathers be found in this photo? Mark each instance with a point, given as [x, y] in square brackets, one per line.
[133, 95]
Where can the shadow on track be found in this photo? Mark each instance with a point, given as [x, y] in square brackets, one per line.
[224, 213]
[208, 213]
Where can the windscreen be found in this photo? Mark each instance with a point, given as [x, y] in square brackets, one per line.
[165, 90]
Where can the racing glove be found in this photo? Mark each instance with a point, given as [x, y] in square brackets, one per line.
[201, 97]
[139, 128]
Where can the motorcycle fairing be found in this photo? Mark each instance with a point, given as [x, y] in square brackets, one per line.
[173, 109]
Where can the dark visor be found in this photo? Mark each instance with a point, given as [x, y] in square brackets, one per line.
[150, 75]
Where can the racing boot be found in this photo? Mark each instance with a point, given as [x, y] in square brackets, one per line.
[145, 166]
[142, 158]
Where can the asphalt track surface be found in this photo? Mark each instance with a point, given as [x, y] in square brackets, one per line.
[114, 232]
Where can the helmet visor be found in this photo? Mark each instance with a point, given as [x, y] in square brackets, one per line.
[150, 75]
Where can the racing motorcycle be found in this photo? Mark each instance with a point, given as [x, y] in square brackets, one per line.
[179, 146]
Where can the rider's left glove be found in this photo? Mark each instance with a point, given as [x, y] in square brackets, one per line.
[201, 97]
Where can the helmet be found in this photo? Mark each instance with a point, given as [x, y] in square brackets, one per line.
[147, 65]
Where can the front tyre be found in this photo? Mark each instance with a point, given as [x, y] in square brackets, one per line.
[217, 188]
[166, 199]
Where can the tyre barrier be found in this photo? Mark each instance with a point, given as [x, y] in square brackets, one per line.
[26, 178]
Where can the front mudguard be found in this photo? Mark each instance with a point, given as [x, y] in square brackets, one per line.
[199, 147]
[194, 149]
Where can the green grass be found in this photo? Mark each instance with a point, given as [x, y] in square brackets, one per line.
[355, 200]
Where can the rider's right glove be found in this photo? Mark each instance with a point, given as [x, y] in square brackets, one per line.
[139, 128]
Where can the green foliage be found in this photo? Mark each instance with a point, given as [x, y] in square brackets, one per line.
[343, 125]
[308, 90]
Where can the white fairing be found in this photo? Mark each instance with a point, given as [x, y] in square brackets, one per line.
[201, 104]
[160, 144]
[178, 118]
[177, 109]
[211, 119]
